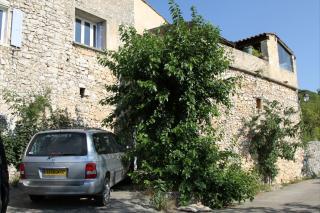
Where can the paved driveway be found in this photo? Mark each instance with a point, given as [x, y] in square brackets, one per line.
[301, 197]
[122, 201]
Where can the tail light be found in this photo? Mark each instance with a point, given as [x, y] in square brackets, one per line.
[91, 171]
[22, 171]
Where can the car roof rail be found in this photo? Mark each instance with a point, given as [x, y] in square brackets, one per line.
[75, 128]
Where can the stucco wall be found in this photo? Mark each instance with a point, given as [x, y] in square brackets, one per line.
[145, 17]
[267, 68]
[275, 72]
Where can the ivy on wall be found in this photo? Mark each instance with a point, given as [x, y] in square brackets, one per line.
[272, 135]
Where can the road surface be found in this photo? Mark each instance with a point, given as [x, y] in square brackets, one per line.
[300, 197]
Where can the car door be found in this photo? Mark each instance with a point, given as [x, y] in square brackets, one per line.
[118, 155]
[107, 155]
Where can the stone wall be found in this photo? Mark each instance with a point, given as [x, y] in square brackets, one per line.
[312, 159]
[244, 106]
[50, 59]
[259, 79]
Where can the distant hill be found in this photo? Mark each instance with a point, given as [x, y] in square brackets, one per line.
[310, 115]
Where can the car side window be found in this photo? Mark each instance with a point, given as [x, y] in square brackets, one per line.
[105, 143]
[115, 146]
[101, 144]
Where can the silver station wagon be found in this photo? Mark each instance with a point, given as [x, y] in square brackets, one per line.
[82, 162]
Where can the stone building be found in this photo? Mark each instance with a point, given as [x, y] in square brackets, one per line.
[267, 67]
[54, 44]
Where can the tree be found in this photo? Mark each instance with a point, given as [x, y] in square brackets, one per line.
[170, 85]
[310, 113]
[271, 136]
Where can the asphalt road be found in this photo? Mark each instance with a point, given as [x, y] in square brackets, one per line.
[121, 202]
[301, 197]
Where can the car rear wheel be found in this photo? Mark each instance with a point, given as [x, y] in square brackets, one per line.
[36, 198]
[103, 199]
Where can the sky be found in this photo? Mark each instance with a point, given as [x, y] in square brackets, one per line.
[296, 22]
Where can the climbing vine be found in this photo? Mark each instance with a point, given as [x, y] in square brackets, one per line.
[272, 135]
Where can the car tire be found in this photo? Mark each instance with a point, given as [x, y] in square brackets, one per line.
[103, 199]
[36, 198]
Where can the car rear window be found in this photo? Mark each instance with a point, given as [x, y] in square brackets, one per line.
[58, 144]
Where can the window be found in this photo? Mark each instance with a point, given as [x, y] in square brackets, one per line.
[105, 143]
[87, 33]
[2, 23]
[90, 32]
[78, 31]
[258, 103]
[58, 144]
[82, 92]
[285, 58]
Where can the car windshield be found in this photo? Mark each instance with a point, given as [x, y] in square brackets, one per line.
[58, 144]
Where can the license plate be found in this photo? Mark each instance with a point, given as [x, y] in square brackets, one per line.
[55, 172]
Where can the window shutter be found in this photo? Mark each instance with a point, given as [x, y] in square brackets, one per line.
[16, 28]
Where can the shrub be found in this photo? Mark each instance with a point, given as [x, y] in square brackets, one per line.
[159, 199]
[33, 114]
[310, 113]
[270, 137]
[229, 185]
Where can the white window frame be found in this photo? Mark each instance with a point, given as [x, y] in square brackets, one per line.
[3, 24]
[83, 21]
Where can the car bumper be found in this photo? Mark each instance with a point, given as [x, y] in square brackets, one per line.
[84, 187]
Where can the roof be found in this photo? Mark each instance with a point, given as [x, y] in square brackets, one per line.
[164, 28]
[237, 44]
[260, 37]
[227, 42]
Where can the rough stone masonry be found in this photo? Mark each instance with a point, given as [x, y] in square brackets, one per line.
[312, 159]
[60, 42]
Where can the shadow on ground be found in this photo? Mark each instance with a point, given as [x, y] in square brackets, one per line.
[121, 201]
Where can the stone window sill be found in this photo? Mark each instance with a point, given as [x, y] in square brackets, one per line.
[87, 47]
[5, 44]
